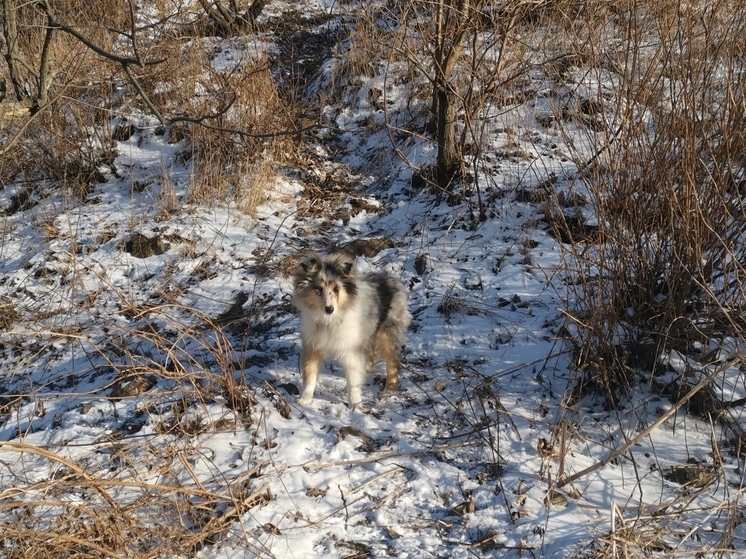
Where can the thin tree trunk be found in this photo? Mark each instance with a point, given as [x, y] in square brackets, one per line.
[45, 73]
[448, 160]
[16, 67]
[451, 24]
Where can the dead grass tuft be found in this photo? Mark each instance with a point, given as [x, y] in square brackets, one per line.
[8, 314]
[114, 516]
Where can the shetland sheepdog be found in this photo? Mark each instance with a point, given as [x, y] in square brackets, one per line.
[353, 319]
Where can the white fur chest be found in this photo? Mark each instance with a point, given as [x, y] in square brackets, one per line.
[334, 335]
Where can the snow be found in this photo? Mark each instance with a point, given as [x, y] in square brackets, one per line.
[483, 376]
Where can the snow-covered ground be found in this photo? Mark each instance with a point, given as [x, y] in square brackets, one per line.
[462, 463]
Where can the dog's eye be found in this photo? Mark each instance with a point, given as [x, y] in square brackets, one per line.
[336, 289]
[318, 290]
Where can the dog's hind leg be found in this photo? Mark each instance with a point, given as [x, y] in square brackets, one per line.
[310, 362]
[372, 354]
[391, 351]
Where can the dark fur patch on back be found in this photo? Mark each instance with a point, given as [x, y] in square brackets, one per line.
[385, 293]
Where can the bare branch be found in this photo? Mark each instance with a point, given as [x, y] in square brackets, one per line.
[123, 60]
[13, 58]
[653, 426]
[143, 95]
[201, 121]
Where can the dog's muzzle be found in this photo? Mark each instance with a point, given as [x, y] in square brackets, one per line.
[329, 309]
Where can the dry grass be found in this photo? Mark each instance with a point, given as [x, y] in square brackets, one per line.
[224, 107]
[182, 371]
[660, 166]
[79, 514]
[231, 121]
[364, 48]
[666, 269]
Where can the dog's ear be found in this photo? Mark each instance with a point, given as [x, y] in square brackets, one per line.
[347, 268]
[308, 265]
[343, 262]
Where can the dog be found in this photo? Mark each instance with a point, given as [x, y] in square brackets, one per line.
[350, 318]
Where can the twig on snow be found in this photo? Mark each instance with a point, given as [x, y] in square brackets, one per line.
[652, 427]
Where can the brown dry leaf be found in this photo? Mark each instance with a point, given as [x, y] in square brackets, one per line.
[352, 431]
[555, 498]
[462, 509]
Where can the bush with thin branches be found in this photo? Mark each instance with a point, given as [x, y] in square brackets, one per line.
[157, 71]
[665, 180]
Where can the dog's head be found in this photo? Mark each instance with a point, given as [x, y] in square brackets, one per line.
[325, 282]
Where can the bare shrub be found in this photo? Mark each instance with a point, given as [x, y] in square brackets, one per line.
[235, 149]
[665, 175]
[225, 105]
[229, 17]
[62, 137]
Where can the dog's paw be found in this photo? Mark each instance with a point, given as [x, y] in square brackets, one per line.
[306, 395]
[358, 407]
[387, 393]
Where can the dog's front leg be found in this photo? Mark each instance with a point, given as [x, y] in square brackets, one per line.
[354, 366]
[310, 362]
